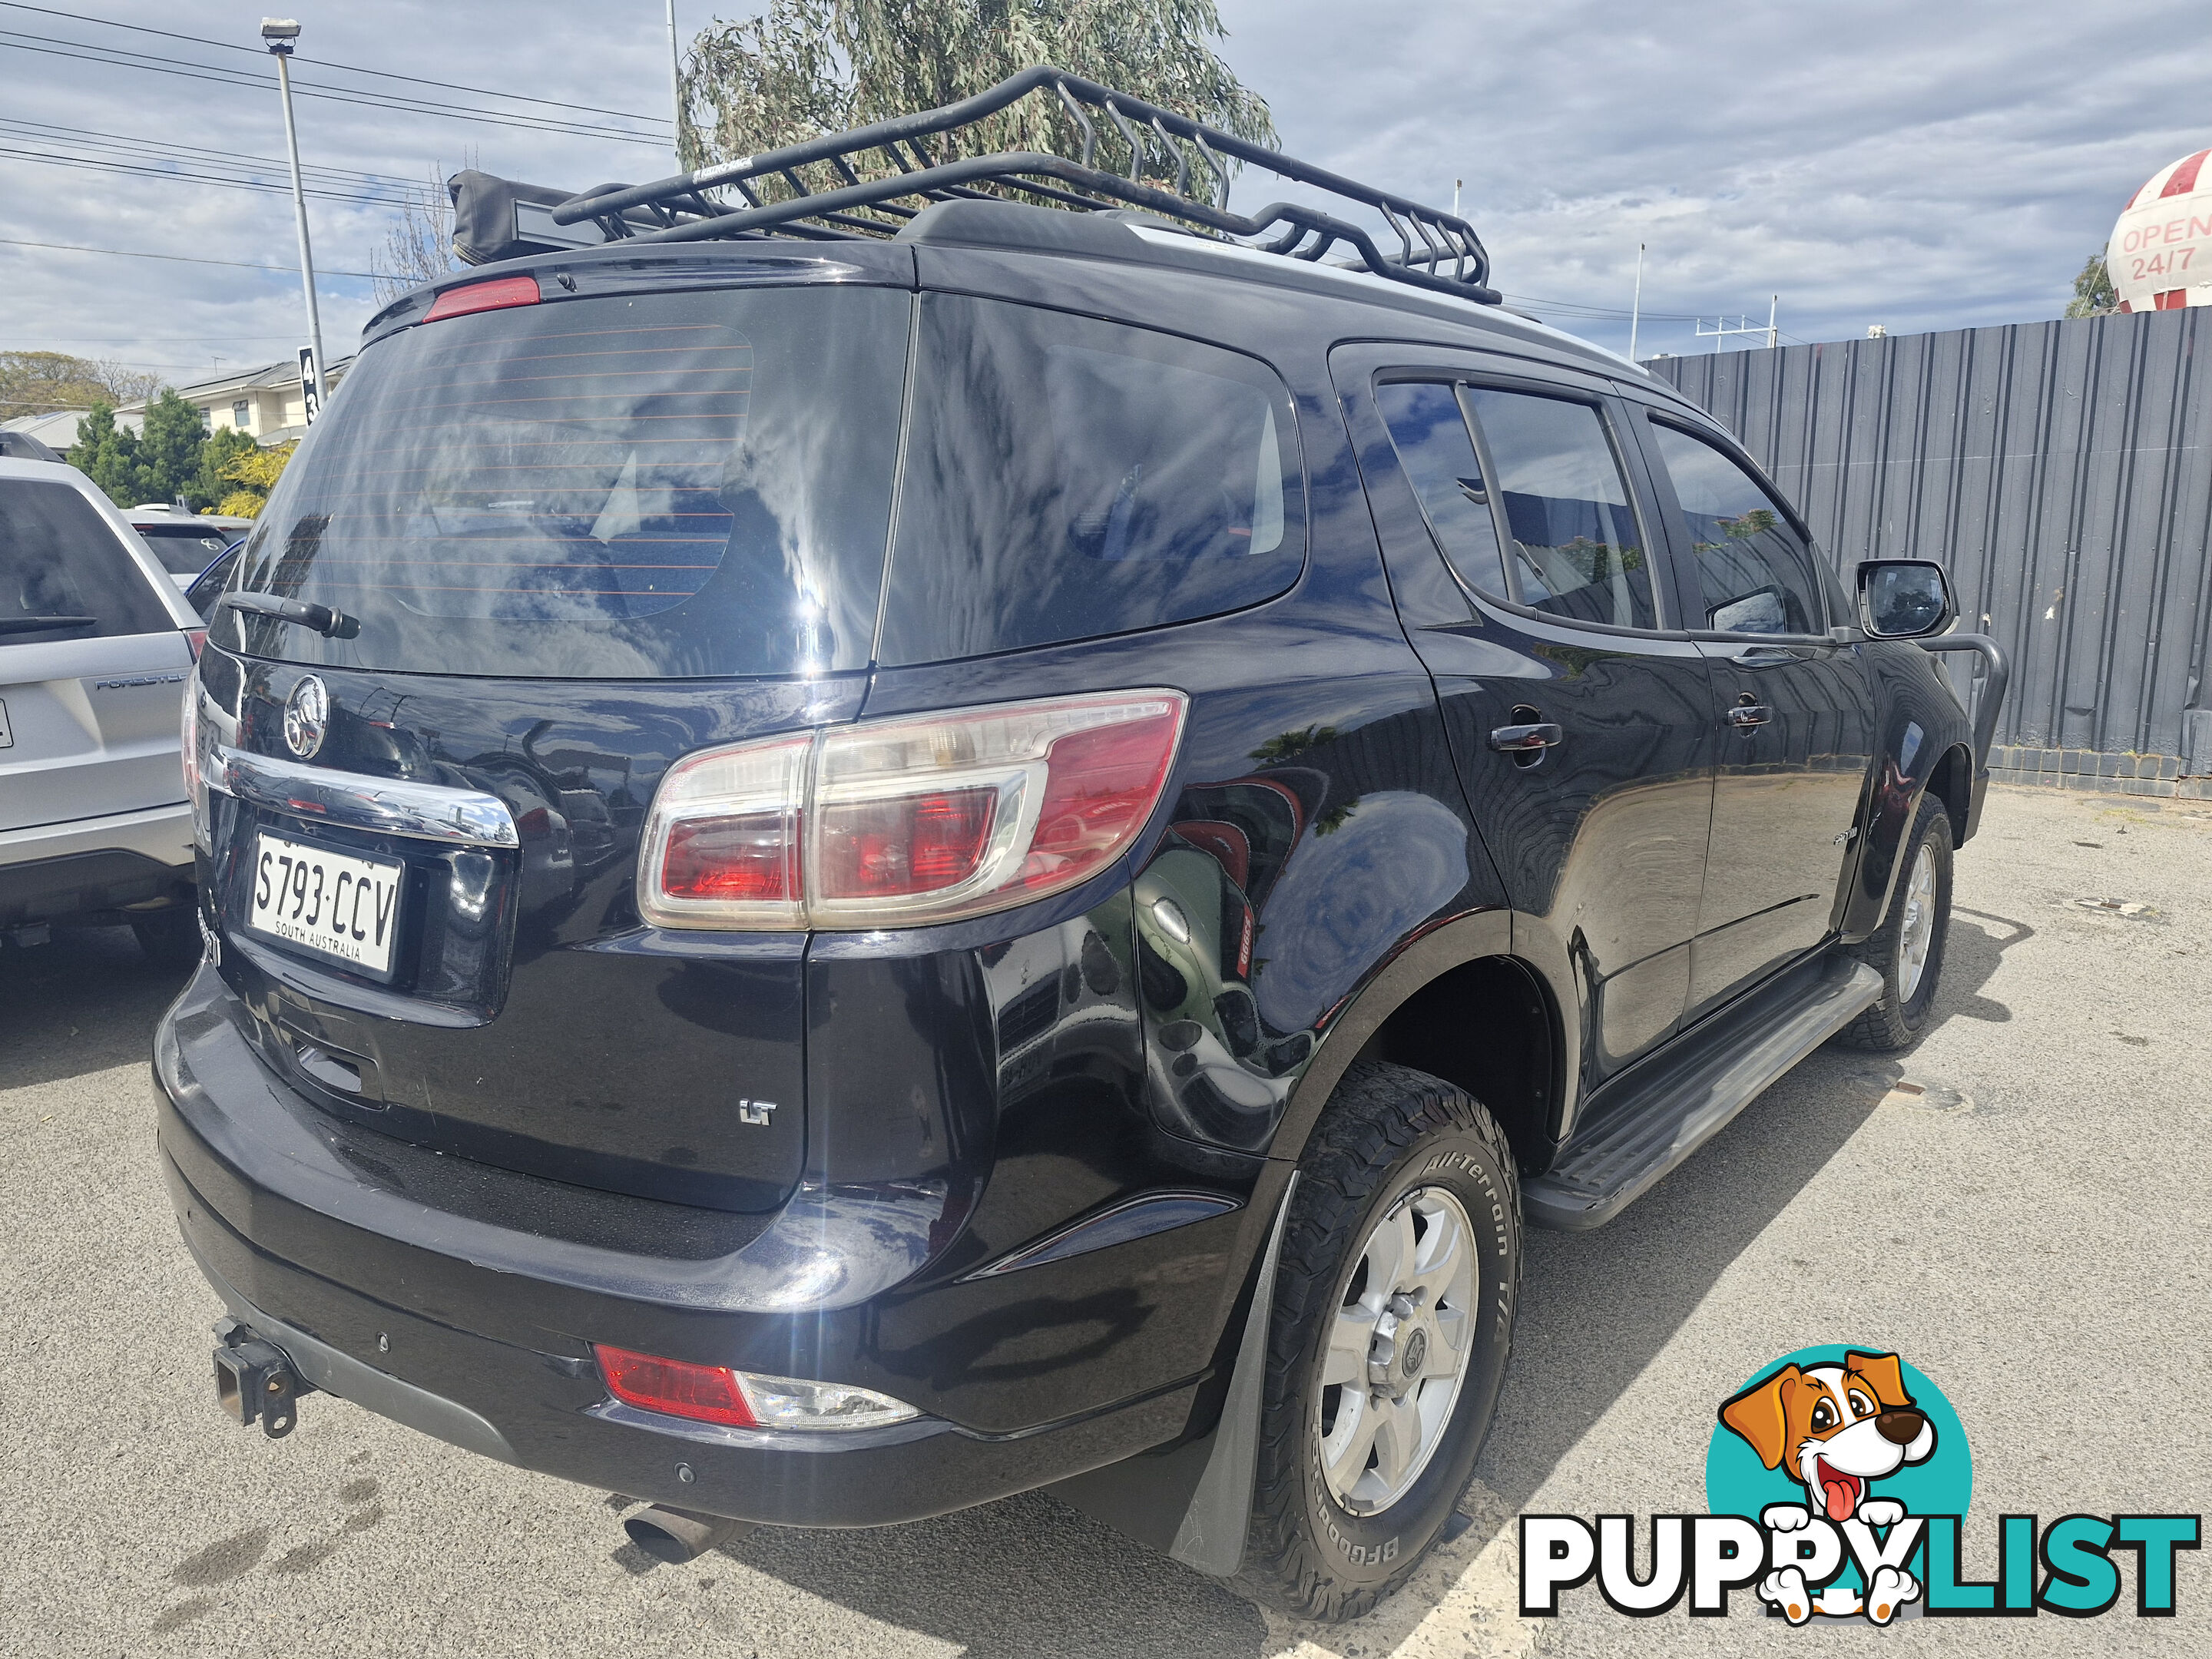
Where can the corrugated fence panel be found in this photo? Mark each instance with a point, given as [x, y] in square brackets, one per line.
[2060, 469]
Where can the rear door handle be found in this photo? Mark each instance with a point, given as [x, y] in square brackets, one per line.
[1525, 739]
[1744, 716]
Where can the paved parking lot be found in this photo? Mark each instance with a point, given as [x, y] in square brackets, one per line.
[2028, 1229]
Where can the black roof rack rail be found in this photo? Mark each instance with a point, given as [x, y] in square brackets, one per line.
[871, 198]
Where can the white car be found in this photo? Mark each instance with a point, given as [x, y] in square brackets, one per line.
[185, 542]
[96, 644]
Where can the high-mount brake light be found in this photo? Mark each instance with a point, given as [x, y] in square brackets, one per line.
[742, 1400]
[493, 296]
[906, 822]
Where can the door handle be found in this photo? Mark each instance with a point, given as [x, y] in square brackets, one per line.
[1532, 739]
[1744, 716]
[1765, 656]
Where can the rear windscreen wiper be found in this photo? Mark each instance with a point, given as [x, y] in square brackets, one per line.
[37, 625]
[332, 624]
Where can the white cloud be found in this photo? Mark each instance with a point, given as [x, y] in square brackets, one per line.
[1921, 166]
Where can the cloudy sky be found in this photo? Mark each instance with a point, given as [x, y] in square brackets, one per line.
[1921, 166]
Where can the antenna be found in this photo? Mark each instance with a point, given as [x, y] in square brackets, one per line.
[1744, 325]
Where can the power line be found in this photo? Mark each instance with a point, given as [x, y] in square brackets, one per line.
[111, 140]
[350, 68]
[139, 340]
[115, 58]
[181, 258]
[131, 170]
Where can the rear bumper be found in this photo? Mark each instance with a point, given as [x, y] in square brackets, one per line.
[87, 867]
[411, 1322]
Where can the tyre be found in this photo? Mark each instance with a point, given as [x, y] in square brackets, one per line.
[171, 938]
[1907, 949]
[1395, 1293]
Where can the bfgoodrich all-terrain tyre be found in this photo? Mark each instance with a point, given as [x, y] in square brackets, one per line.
[1907, 949]
[1394, 1295]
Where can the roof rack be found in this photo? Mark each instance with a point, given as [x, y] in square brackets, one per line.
[884, 176]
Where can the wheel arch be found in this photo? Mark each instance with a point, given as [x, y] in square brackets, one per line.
[1457, 1004]
[1952, 782]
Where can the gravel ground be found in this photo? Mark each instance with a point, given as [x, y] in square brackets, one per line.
[2029, 1230]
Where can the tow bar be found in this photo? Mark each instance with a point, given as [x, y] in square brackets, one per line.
[254, 1379]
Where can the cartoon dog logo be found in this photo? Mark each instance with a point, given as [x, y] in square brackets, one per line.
[1838, 1429]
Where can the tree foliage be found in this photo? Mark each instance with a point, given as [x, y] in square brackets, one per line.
[174, 456]
[44, 382]
[804, 68]
[253, 474]
[2094, 292]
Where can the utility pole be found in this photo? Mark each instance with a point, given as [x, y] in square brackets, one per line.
[1457, 183]
[1636, 305]
[675, 83]
[1773, 334]
[282, 34]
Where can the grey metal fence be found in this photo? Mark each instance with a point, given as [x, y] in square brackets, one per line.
[2063, 470]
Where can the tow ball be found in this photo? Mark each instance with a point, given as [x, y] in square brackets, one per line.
[255, 1380]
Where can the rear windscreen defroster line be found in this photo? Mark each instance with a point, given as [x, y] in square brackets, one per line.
[656, 487]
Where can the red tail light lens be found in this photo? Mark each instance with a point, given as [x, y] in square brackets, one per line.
[1099, 790]
[196, 637]
[906, 822]
[919, 844]
[706, 1393]
[747, 859]
[499, 292]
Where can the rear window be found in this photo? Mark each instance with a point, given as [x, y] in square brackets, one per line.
[667, 485]
[184, 550]
[65, 574]
[1066, 478]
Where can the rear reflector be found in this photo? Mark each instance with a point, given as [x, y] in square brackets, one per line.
[484, 296]
[906, 822]
[706, 1393]
[744, 1400]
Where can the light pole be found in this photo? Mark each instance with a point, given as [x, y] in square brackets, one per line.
[1636, 305]
[281, 33]
[675, 83]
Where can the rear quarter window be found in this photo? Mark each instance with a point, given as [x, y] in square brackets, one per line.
[65, 574]
[1067, 478]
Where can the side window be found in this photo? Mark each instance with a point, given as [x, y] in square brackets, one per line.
[1067, 478]
[1430, 433]
[1575, 549]
[1753, 570]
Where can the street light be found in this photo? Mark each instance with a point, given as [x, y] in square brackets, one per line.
[282, 34]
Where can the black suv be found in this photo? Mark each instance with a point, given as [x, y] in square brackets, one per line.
[846, 873]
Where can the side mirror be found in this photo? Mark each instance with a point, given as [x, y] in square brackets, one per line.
[1905, 598]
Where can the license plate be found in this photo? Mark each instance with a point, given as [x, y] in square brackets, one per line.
[334, 904]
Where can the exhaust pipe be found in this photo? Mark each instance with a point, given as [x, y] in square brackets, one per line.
[678, 1535]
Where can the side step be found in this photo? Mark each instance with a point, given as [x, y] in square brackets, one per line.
[1672, 1102]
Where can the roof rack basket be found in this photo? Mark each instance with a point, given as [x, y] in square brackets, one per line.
[885, 175]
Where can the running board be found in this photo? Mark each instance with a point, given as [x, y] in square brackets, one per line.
[1686, 1093]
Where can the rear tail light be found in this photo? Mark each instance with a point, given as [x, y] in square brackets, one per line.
[196, 637]
[744, 1400]
[905, 821]
[196, 788]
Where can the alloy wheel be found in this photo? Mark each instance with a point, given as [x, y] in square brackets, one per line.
[1397, 1352]
[1916, 932]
